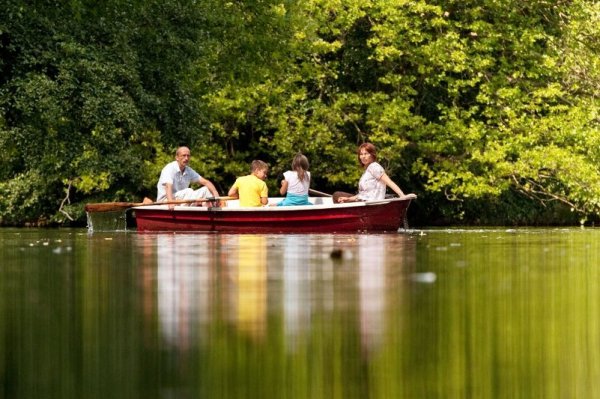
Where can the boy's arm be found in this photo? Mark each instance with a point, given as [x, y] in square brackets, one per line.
[264, 194]
[233, 192]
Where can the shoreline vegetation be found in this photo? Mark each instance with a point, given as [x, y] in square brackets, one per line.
[488, 111]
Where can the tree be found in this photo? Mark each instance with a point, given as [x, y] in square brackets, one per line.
[82, 97]
[484, 108]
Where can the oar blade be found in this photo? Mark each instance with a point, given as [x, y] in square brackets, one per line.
[109, 206]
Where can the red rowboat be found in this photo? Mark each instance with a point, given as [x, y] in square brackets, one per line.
[322, 217]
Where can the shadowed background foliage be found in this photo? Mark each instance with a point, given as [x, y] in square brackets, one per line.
[487, 110]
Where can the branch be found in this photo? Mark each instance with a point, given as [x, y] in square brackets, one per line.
[68, 201]
[539, 193]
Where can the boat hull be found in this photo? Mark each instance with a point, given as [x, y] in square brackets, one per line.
[375, 216]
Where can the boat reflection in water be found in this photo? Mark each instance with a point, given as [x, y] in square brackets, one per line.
[184, 279]
[247, 291]
[297, 300]
[265, 283]
[372, 289]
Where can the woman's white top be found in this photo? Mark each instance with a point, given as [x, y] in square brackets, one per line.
[370, 187]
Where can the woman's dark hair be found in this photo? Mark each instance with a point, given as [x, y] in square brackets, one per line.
[370, 148]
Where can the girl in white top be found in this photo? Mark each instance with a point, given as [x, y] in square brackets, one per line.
[373, 182]
[296, 182]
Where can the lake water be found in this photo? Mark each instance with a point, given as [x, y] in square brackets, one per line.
[490, 313]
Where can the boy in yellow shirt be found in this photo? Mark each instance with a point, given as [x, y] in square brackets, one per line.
[252, 189]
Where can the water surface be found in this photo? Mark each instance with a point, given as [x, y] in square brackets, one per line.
[491, 313]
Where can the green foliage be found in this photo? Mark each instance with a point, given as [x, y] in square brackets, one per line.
[80, 89]
[490, 83]
[24, 198]
[469, 102]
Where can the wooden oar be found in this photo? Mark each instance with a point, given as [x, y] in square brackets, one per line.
[121, 206]
[322, 194]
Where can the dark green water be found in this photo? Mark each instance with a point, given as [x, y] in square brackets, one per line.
[490, 313]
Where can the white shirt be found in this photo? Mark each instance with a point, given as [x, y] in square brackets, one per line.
[295, 185]
[171, 174]
[370, 187]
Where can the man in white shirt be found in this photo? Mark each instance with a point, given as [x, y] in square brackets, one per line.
[176, 177]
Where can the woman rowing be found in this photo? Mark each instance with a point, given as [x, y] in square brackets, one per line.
[373, 182]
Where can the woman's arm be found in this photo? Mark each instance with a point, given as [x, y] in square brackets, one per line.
[348, 199]
[390, 183]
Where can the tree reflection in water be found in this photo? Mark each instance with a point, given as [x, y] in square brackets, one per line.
[510, 313]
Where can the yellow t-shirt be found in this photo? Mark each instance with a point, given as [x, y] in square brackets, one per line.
[250, 190]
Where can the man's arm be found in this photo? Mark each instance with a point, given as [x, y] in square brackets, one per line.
[169, 192]
[211, 187]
